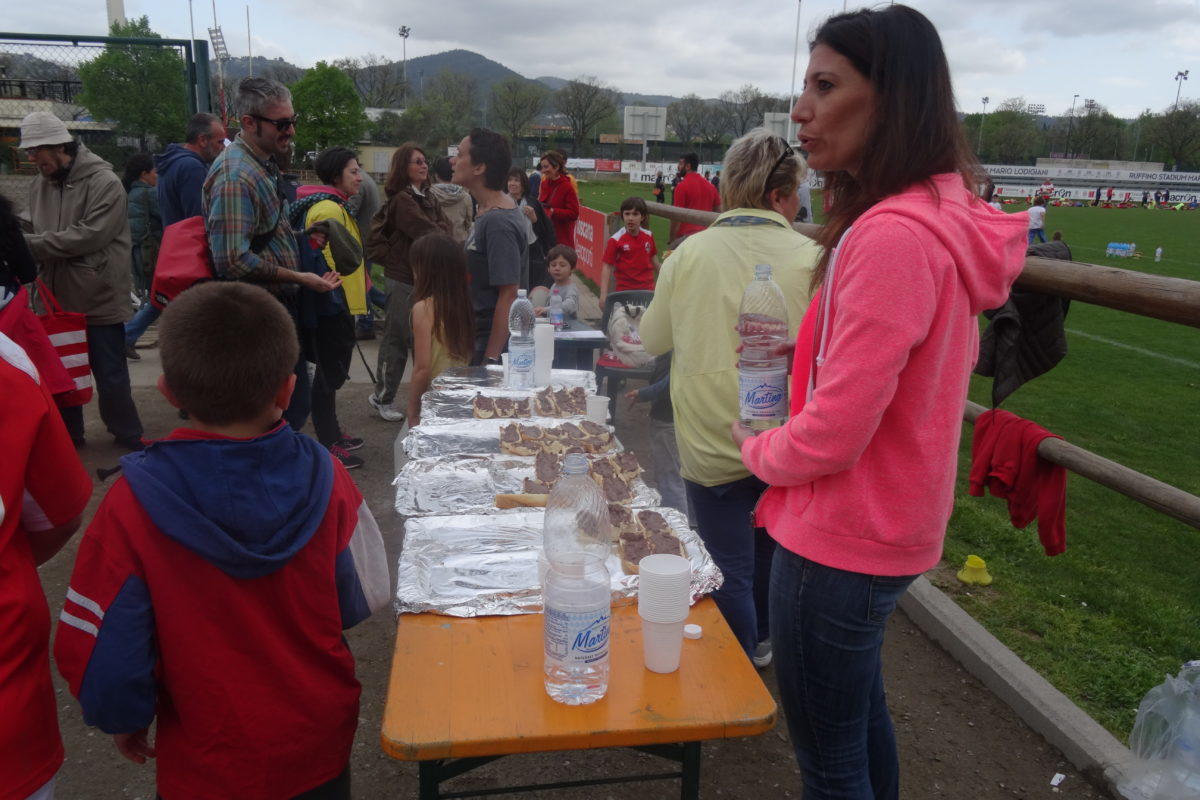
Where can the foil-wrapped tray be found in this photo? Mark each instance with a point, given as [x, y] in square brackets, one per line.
[453, 404]
[493, 375]
[468, 484]
[474, 565]
[466, 436]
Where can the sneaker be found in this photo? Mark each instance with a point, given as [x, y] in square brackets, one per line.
[348, 461]
[131, 353]
[762, 655]
[348, 442]
[385, 411]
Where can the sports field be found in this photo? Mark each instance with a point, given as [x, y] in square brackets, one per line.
[1107, 619]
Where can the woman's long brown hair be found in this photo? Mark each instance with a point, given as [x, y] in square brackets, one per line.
[915, 132]
[397, 178]
[439, 267]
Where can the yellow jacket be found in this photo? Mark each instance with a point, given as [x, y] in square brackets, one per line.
[354, 284]
[694, 312]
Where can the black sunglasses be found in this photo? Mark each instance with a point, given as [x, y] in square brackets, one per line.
[787, 151]
[282, 124]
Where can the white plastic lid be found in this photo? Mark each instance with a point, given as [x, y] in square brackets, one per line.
[692, 631]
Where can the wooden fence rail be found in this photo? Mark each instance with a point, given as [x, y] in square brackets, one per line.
[1169, 299]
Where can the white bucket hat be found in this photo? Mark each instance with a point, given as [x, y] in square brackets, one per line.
[42, 128]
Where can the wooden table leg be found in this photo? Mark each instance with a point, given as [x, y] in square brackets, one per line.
[691, 771]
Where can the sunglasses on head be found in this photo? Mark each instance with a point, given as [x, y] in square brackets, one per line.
[282, 124]
[787, 151]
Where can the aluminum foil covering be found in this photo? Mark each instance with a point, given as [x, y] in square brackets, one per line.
[469, 484]
[468, 436]
[440, 405]
[474, 565]
[493, 375]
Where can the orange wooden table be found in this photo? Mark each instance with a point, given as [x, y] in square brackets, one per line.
[464, 692]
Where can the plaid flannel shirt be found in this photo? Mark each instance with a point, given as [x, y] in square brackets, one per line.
[241, 201]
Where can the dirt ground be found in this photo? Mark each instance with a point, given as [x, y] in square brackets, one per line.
[956, 739]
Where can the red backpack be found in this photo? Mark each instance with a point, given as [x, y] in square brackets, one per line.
[183, 261]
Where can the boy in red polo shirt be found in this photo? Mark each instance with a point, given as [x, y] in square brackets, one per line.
[630, 252]
[213, 585]
[43, 491]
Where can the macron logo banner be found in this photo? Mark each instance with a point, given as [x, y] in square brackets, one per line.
[590, 237]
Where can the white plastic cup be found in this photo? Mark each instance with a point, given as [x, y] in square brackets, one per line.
[597, 409]
[664, 588]
[662, 643]
[504, 366]
[543, 349]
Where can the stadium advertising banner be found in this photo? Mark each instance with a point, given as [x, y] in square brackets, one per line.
[1026, 173]
[590, 238]
[1006, 191]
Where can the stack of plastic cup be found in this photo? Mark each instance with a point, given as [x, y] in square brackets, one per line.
[664, 588]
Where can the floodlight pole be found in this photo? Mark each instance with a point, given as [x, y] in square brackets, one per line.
[795, 59]
[404, 32]
[979, 145]
[1180, 77]
[1070, 123]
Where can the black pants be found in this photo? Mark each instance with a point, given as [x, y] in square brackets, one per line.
[110, 372]
[332, 348]
[336, 789]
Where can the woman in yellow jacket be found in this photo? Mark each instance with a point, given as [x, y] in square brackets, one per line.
[332, 344]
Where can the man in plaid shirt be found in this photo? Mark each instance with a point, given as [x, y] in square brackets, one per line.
[244, 209]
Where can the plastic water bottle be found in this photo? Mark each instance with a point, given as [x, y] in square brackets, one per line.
[520, 342]
[556, 311]
[1158, 254]
[576, 522]
[577, 619]
[576, 591]
[762, 374]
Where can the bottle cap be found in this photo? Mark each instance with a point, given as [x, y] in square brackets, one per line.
[762, 270]
[692, 631]
[575, 463]
[520, 292]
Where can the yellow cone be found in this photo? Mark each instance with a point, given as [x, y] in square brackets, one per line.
[975, 572]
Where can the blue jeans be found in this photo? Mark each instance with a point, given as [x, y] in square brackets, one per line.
[143, 319]
[1040, 233]
[741, 551]
[827, 634]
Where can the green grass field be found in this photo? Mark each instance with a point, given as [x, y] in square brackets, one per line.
[1107, 619]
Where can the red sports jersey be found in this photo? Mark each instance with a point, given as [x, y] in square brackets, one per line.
[695, 192]
[42, 485]
[632, 257]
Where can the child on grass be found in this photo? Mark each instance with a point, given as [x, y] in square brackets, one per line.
[213, 585]
[442, 319]
[561, 262]
[630, 252]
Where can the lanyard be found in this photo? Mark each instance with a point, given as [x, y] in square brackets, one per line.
[745, 221]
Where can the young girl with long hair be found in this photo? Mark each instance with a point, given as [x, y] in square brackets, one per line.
[862, 475]
[443, 323]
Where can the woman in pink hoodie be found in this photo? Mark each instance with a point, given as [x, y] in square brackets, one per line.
[862, 475]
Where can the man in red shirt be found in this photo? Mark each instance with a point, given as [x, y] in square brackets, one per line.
[630, 252]
[43, 491]
[692, 192]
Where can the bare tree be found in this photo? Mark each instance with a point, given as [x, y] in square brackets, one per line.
[745, 108]
[515, 103]
[585, 102]
[713, 127]
[685, 116]
[378, 80]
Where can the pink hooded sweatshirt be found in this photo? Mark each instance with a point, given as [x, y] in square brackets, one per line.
[862, 475]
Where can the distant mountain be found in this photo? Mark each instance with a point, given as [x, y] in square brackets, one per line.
[551, 83]
[465, 62]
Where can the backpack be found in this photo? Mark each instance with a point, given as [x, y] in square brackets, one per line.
[623, 337]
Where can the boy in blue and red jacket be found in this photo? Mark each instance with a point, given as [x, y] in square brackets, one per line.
[213, 585]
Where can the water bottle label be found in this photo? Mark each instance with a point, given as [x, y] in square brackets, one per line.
[577, 637]
[763, 395]
[521, 359]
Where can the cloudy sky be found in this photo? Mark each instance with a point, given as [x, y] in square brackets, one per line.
[1122, 53]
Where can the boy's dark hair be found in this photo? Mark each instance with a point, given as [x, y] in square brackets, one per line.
[227, 348]
[562, 251]
[443, 169]
[331, 162]
[692, 160]
[637, 204]
[491, 149]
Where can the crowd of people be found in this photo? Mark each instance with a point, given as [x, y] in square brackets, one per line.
[818, 525]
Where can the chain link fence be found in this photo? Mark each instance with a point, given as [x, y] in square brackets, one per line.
[118, 96]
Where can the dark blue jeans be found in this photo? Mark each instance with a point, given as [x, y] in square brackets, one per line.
[110, 373]
[741, 551]
[827, 633]
[142, 320]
